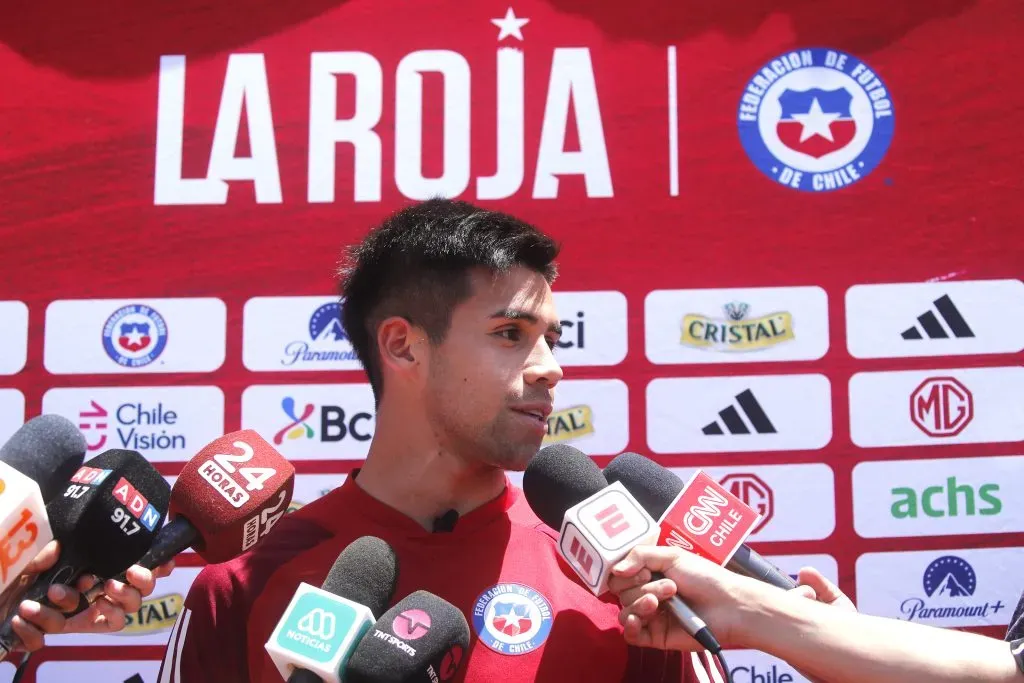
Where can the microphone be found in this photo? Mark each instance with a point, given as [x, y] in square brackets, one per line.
[104, 521]
[225, 500]
[600, 523]
[321, 627]
[47, 449]
[422, 638]
[702, 517]
[34, 464]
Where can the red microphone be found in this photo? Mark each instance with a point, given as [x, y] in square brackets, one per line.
[226, 499]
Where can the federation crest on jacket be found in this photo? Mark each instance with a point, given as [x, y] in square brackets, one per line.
[816, 119]
[512, 619]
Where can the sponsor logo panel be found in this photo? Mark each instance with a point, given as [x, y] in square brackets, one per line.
[960, 588]
[12, 413]
[815, 119]
[286, 333]
[111, 336]
[733, 414]
[736, 325]
[935, 318]
[165, 424]
[590, 414]
[312, 421]
[937, 407]
[113, 671]
[593, 328]
[949, 496]
[13, 337]
[796, 502]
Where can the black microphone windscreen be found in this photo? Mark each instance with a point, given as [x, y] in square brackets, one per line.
[422, 638]
[366, 573]
[557, 478]
[653, 486]
[47, 449]
[110, 511]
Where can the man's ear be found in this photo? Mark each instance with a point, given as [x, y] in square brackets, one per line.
[401, 344]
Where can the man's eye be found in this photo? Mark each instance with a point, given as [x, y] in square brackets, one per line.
[512, 334]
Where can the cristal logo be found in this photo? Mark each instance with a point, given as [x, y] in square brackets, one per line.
[411, 624]
[318, 623]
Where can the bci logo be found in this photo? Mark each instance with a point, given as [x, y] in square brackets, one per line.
[573, 332]
[335, 423]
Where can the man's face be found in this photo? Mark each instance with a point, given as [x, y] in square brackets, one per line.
[492, 379]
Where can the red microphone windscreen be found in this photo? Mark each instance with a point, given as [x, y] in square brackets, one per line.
[233, 491]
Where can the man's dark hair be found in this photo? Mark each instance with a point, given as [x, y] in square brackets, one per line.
[417, 265]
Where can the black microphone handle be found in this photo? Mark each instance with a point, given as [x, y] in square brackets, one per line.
[748, 562]
[304, 676]
[173, 538]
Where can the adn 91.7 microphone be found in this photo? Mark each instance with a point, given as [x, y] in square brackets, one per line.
[34, 465]
[105, 520]
[423, 638]
[600, 523]
[321, 627]
[692, 517]
[225, 500]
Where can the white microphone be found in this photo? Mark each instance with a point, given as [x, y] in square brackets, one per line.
[24, 527]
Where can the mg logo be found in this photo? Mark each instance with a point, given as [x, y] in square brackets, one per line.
[318, 623]
[752, 490]
[941, 406]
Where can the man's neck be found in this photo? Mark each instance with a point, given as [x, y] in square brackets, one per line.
[407, 470]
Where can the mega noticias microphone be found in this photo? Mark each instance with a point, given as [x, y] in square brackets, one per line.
[321, 627]
[34, 464]
[702, 517]
[104, 521]
[423, 638]
[599, 522]
[225, 500]
[47, 449]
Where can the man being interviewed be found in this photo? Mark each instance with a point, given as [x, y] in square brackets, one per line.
[450, 310]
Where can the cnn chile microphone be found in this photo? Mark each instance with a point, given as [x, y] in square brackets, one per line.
[423, 638]
[104, 521]
[34, 463]
[702, 516]
[321, 627]
[226, 499]
[599, 522]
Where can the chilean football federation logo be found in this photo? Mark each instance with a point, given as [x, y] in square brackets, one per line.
[134, 335]
[816, 119]
[512, 619]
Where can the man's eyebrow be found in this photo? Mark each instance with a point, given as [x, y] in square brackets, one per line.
[516, 314]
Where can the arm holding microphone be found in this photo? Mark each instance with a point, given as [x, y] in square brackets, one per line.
[834, 645]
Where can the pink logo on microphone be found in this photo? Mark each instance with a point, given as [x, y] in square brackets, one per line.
[411, 624]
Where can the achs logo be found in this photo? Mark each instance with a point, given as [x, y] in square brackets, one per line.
[735, 332]
[941, 406]
[730, 418]
[135, 427]
[512, 619]
[949, 581]
[929, 323]
[134, 336]
[411, 624]
[569, 423]
[327, 340]
[753, 491]
[815, 119]
[335, 424]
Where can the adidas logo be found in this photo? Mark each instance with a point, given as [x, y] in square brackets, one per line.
[928, 321]
[734, 423]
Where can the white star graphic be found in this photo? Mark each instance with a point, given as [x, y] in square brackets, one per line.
[512, 619]
[134, 337]
[816, 122]
[510, 25]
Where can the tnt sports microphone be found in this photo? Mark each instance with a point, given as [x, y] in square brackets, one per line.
[47, 449]
[600, 523]
[702, 517]
[226, 499]
[34, 464]
[321, 627]
[422, 638]
[105, 520]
